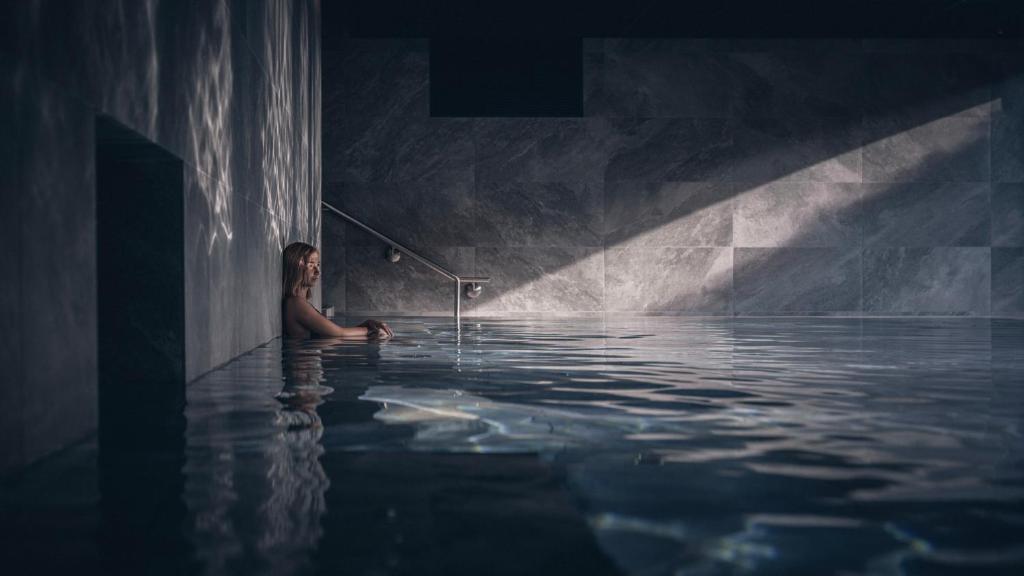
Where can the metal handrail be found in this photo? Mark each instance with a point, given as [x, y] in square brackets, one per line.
[459, 280]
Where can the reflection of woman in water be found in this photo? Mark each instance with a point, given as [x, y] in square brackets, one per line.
[299, 317]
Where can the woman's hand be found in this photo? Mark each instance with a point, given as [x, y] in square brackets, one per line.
[377, 329]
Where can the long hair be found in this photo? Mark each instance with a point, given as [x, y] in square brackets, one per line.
[295, 257]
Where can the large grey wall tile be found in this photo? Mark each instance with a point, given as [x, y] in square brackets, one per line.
[813, 84]
[385, 149]
[948, 149]
[335, 278]
[58, 270]
[667, 279]
[210, 228]
[375, 285]
[381, 78]
[795, 280]
[247, 216]
[1008, 282]
[539, 214]
[921, 87]
[257, 311]
[757, 150]
[332, 106]
[1008, 146]
[926, 214]
[691, 149]
[656, 82]
[1008, 120]
[543, 149]
[797, 214]
[596, 100]
[413, 213]
[945, 281]
[1008, 215]
[816, 149]
[540, 280]
[268, 263]
[668, 213]
[334, 263]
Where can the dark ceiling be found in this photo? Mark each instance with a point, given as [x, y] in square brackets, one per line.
[672, 18]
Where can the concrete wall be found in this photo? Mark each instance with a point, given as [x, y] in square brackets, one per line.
[231, 88]
[708, 177]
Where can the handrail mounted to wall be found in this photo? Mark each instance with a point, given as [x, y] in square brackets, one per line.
[395, 250]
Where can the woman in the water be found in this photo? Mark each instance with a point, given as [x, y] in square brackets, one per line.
[300, 319]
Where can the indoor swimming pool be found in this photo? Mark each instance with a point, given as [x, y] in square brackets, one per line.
[644, 445]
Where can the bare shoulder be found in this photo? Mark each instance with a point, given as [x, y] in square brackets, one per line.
[294, 311]
[295, 304]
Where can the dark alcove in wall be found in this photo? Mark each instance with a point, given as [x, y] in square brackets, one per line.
[141, 323]
[141, 290]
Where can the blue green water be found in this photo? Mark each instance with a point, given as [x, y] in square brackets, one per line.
[584, 446]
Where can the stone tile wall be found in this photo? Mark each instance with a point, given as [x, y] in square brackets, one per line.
[708, 177]
[229, 86]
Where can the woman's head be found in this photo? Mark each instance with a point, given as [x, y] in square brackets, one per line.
[301, 269]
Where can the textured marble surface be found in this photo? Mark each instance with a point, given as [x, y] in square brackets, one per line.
[796, 280]
[668, 279]
[918, 87]
[383, 149]
[374, 284]
[941, 281]
[333, 262]
[1007, 280]
[210, 256]
[543, 149]
[555, 279]
[413, 213]
[1008, 215]
[927, 214]
[58, 291]
[793, 154]
[727, 150]
[798, 214]
[378, 78]
[539, 214]
[1008, 145]
[1008, 119]
[656, 79]
[256, 304]
[947, 149]
[685, 149]
[641, 213]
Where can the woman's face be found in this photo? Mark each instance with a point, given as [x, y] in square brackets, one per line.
[312, 271]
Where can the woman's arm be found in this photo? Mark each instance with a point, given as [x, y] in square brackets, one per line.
[316, 323]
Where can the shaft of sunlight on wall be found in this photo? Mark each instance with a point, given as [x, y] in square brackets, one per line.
[708, 177]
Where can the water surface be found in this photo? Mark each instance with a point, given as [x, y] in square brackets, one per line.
[598, 446]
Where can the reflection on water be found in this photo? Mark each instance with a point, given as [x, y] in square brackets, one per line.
[258, 503]
[640, 446]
